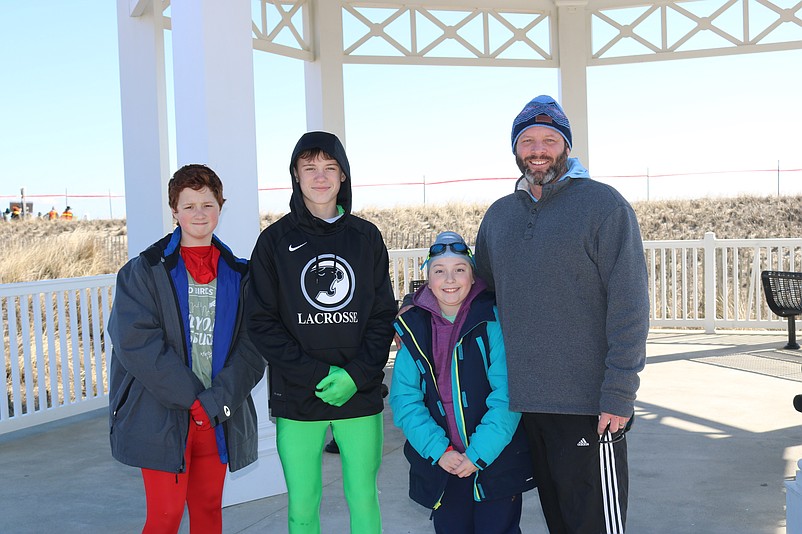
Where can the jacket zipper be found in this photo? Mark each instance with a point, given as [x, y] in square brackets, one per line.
[423, 355]
[182, 467]
[456, 369]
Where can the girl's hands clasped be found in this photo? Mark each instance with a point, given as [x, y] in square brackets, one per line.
[456, 463]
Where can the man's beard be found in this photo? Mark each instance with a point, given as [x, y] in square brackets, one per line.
[555, 170]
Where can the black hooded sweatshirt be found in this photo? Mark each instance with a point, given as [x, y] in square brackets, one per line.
[321, 296]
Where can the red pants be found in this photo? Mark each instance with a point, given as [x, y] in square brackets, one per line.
[200, 487]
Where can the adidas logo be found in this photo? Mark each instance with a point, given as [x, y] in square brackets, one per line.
[583, 443]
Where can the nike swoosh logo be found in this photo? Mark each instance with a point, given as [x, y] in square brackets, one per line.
[293, 249]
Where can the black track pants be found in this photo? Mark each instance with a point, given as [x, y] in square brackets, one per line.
[582, 483]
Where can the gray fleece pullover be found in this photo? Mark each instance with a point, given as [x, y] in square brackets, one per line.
[571, 285]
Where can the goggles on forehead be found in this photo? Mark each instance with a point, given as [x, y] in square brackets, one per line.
[457, 248]
[440, 248]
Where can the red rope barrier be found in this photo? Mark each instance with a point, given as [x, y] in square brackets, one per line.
[444, 182]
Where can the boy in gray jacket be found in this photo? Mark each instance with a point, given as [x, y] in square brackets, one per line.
[182, 367]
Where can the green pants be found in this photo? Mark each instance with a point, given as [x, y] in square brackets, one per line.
[300, 448]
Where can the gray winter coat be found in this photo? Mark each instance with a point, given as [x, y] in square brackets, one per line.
[151, 385]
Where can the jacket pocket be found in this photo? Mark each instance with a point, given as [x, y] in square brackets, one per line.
[125, 387]
[512, 471]
[427, 481]
[242, 436]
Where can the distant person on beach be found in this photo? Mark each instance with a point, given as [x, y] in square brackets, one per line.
[182, 367]
[468, 454]
[16, 213]
[320, 312]
[67, 214]
[564, 255]
[52, 215]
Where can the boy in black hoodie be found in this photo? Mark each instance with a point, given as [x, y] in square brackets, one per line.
[320, 311]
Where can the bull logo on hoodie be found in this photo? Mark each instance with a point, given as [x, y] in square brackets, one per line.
[327, 282]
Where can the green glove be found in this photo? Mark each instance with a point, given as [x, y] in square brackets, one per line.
[337, 388]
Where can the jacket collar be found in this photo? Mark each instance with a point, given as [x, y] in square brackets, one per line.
[481, 311]
[167, 248]
[575, 171]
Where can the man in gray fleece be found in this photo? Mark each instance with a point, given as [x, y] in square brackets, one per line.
[565, 258]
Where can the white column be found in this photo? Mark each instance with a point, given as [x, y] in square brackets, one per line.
[214, 106]
[573, 48]
[144, 121]
[215, 125]
[325, 95]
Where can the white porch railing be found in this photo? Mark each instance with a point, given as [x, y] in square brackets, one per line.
[54, 337]
[715, 283]
[53, 349]
[405, 266]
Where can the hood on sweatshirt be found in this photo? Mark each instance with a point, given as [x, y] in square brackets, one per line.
[331, 145]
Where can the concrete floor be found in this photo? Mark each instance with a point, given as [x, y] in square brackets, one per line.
[715, 437]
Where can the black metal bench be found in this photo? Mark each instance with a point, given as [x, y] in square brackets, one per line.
[414, 285]
[783, 291]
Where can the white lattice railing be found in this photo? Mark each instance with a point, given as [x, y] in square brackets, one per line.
[396, 32]
[522, 33]
[54, 332]
[672, 29]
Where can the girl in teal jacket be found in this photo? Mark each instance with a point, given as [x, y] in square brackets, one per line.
[468, 456]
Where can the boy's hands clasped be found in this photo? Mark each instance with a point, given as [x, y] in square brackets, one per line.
[456, 463]
[337, 388]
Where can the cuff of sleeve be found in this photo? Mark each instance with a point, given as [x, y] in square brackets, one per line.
[478, 462]
[209, 403]
[322, 370]
[437, 459]
[616, 405]
[356, 374]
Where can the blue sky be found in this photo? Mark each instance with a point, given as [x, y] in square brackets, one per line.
[60, 129]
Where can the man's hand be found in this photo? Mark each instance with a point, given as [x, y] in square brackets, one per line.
[616, 423]
[337, 388]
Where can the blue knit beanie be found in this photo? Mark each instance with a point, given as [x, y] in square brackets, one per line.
[541, 111]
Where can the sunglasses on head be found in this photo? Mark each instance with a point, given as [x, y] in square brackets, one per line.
[457, 248]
